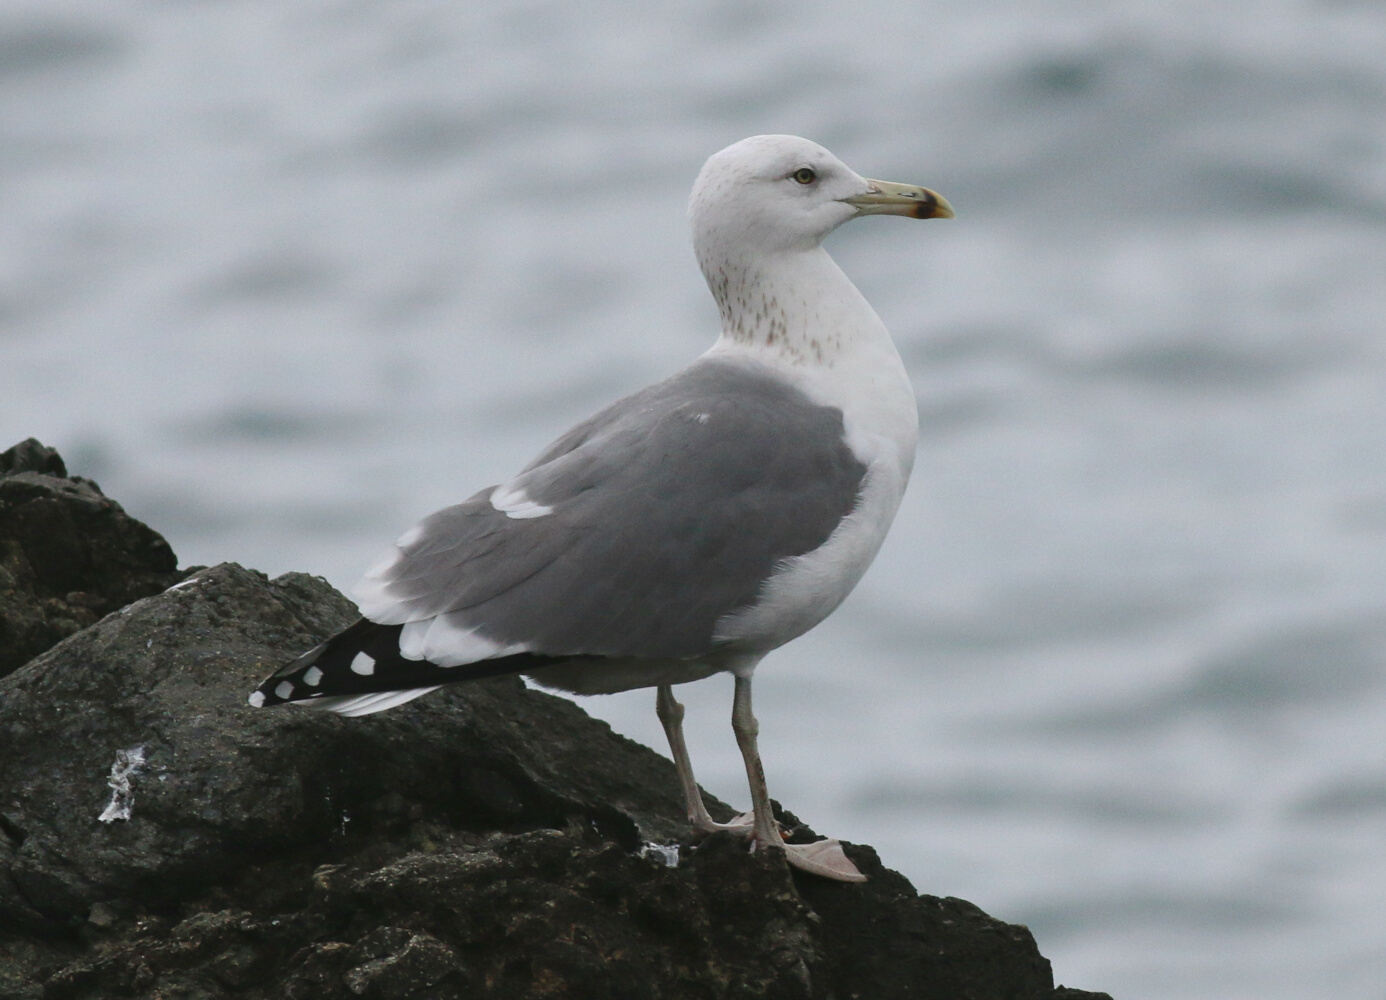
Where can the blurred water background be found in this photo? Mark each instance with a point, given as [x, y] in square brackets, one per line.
[285, 277]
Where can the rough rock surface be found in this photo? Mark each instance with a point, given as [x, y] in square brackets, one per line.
[160, 839]
[68, 554]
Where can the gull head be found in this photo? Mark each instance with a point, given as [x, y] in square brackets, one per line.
[780, 193]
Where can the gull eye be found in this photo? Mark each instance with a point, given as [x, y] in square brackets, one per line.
[804, 175]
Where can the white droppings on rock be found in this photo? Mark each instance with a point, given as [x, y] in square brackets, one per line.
[363, 664]
[122, 805]
[666, 854]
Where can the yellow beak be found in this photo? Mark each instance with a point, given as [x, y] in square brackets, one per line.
[888, 198]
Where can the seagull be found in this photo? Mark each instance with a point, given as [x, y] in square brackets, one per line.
[687, 529]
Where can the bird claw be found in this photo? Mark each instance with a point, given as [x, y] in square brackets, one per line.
[742, 823]
[739, 826]
[824, 858]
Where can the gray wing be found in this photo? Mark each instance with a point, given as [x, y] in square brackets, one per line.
[636, 531]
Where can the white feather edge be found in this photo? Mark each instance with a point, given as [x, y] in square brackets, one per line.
[372, 592]
[354, 705]
[445, 642]
[512, 501]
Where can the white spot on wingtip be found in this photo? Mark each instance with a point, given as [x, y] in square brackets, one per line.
[363, 664]
[257, 699]
[410, 537]
[311, 676]
[284, 690]
[515, 503]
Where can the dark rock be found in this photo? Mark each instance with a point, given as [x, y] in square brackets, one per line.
[159, 837]
[422, 962]
[32, 455]
[68, 554]
[154, 697]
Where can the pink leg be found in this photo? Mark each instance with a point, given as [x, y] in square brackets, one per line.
[670, 714]
[825, 857]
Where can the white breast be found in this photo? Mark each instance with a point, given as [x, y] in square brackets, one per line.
[796, 312]
[864, 378]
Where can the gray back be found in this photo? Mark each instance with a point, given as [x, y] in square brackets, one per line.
[670, 509]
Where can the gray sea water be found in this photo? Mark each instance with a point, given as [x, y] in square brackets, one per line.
[284, 277]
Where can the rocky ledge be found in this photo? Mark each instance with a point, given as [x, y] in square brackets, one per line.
[68, 554]
[161, 839]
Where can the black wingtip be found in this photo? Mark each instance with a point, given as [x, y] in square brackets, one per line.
[365, 659]
[304, 677]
